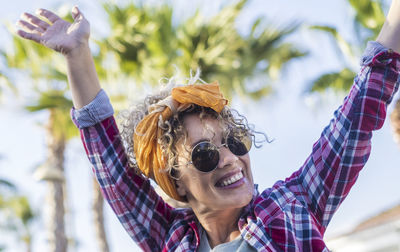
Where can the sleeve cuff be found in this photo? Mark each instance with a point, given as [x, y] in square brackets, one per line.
[373, 48]
[94, 112]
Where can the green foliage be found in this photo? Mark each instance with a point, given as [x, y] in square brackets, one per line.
[141, 39]
[36, 60]
[5, 83]
[344, 46]
[147, 46]
[15, 210]
[51, 99]
[6, 184]
[369, 18]
[337, 81]
[59, 106]
[21, 208]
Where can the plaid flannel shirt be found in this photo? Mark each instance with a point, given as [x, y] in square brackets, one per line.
[293, 214]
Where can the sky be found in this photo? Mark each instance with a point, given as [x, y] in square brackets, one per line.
[294, 120]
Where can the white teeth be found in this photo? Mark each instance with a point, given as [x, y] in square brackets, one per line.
[232, 179]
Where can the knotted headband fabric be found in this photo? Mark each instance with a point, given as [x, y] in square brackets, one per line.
[148, 153]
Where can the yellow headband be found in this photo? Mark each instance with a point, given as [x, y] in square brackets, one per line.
[148, 151]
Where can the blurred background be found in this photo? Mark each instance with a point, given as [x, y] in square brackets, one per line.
[285, 65]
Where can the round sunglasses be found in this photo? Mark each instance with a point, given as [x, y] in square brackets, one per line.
[205, 155]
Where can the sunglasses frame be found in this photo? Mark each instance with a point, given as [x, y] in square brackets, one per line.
[217, 148]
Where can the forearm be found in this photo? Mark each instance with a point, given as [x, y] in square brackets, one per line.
[144, 215]
[344, 146]
[389, 35]
[82, 76]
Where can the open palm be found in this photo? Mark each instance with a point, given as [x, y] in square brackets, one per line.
[59, 35]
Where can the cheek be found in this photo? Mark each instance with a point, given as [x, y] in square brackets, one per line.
[194, 180]
[190, 176]
[197, 186]
[246, 161]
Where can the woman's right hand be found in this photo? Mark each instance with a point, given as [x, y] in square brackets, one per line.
[59, 35]
[71, 39]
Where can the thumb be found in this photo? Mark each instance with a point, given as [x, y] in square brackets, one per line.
[76, 13]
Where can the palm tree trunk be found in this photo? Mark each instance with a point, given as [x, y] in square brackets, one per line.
[98, 218]
[57, 239]
[56, 228]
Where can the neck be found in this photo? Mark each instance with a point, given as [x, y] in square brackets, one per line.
[221, 225]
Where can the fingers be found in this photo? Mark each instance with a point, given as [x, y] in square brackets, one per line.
[30, 36]
[35, 20]
[29, 27]
[48, 15]
[33, 26]
[32, 29]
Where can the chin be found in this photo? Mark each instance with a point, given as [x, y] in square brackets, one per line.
[243, 198]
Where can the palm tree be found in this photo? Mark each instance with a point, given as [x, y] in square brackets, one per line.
[147, 45]
[369, 18]
[98, 218]
[16, 213]
[49, 83]
[59, 130]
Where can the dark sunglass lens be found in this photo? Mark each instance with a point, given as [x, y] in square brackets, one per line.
[239, 146]
[205, 157]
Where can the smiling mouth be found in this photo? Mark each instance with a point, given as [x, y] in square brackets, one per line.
[230, 180]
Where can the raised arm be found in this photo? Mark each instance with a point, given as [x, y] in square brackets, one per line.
[70, 39]
[143, 214]
[328, 174]
[389, 35]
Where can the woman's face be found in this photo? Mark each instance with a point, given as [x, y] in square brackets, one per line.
[230, 185]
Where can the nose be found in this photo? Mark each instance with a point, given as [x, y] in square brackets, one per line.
[226, 157]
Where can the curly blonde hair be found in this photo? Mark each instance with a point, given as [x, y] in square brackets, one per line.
[173, 129]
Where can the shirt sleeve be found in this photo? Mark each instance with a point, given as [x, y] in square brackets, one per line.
[328, 174]
[143, 214]
[94, 112]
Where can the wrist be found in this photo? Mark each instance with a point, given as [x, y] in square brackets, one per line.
[79, 52]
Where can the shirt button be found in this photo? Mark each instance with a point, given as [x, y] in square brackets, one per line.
[247, 236]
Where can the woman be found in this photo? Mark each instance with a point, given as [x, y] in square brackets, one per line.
[188, 141]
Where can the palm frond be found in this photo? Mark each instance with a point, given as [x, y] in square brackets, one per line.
[7, 184]
[5, 83]
[21, 208]
[52, 99]
[337, 81]
[369, 18]
[345, 47]
[369, 14]
[261, 93]
[147, 44]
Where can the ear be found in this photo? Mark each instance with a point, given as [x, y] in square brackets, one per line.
[180, 188]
